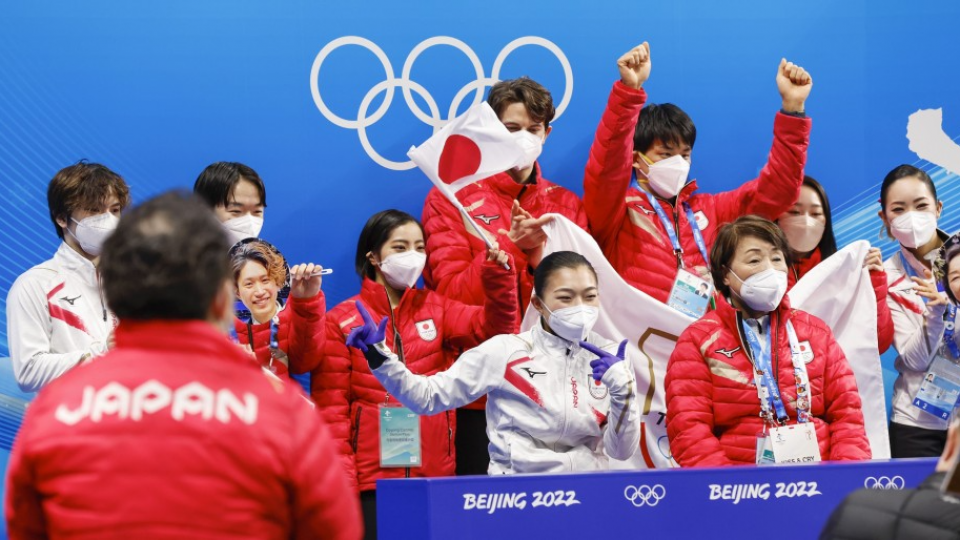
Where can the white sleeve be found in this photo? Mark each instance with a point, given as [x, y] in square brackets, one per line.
[28, 335]
[475, 373]
[916, 344]
[621, 435]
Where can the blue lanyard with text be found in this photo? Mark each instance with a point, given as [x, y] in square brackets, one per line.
[763, 371]
[672, 233]
[949, 329]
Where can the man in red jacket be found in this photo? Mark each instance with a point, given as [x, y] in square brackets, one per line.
[509, 207]
[652, 229]
[128, 445]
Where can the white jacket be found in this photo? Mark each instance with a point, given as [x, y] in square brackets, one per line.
[918, 331]
[545, 412]
[55, 314]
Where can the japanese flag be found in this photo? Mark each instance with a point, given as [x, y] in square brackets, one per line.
[473, 146]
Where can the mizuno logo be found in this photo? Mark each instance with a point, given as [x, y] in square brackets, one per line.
[728, 354]
[644, 210]
[70, 300]
[487, 219]
[531, 373]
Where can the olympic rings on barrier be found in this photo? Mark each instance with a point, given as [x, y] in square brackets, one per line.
[645, 495]
[434, 119]
[884, 482]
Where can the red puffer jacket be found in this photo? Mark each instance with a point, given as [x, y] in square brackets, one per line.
[426, 322]
[456, 253]
[300, 334]
[629, 230]
[713, 412]
[879, 281]
[175, 433]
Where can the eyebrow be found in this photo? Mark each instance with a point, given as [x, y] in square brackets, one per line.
[918, 199]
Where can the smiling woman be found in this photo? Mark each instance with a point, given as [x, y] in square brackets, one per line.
[732, 395]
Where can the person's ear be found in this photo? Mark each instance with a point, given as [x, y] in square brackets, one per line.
[62, 221]
[939, 208]
[546, 133]
[221, 307]
[639, 162]
[537, 303]
[726, 276]
[372, 259]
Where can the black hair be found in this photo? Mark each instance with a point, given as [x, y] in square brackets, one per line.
[556, 261]
[904, 171]
[167, 260]
[828, 243]
[216, 183]
[666, 123]
[729, 237]
[375, 234]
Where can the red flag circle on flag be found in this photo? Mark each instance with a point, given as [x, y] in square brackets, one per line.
[460, 158]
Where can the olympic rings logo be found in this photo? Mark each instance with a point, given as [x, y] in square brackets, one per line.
[433, 118]
[645, 495]
[884, 482]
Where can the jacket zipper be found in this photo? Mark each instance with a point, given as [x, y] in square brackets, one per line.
[356, 430]
[449, 435]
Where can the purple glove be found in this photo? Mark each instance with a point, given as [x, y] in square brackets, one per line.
[363, 337]
[605, 360]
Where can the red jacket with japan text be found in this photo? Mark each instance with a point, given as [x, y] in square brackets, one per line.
[421, 327]
[175, 433]
[300, 334]
[456, 253]
[628, 228]
[713, 411]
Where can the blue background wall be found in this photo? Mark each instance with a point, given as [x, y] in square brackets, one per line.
[158, 90]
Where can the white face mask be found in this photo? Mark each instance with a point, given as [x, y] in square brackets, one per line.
[243, 227]
[914, 229]
[402, 270]
[532, 146]
[93, 231]
[668, 176]
[572, 323]
[803, 232]
[764, 290]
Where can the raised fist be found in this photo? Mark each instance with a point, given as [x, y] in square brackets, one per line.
[794, 84]
[635, 66]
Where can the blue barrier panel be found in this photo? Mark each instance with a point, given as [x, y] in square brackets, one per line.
[734, 502]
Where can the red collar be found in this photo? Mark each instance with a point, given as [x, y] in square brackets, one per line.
[196, 336]
[505, 183]
[374, 297]
[804, 265]
[728, 313]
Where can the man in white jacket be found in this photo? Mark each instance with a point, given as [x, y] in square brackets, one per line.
[56, 313]
[559, 397]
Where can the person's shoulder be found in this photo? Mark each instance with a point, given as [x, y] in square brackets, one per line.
[809, 321]
[40, 275]
[345, 308]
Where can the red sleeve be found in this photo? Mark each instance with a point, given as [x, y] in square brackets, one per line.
[608, 172]
[778, 186]
[25, 518]
[330, 390]
[453, 264]
[689, 389]
[307, 332]
[465, 326]
[323, 505]
[848, 435]
[884, 320]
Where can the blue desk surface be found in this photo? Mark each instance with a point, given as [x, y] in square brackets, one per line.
[735, 502]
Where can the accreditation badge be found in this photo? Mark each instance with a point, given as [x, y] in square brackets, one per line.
[399, 437]
[764, 450]
[940, 388]
[795, 444]
[690, 294]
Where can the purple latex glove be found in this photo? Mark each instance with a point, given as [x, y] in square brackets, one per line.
[363, 337]
[605, 360]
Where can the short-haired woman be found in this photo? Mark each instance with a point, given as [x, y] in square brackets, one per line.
[756, 374]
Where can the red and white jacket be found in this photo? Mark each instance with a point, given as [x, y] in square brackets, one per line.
[917, 338]
[425, 327]
[300, 334]
[175, 433]
[879, 281]
[56, 314]
[628, 228]
[713, 412]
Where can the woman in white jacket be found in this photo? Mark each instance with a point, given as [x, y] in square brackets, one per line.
[910, 209]
[559, 397]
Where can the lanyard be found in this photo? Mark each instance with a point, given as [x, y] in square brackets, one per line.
[672, 233]
[948, 331]
[768, 390]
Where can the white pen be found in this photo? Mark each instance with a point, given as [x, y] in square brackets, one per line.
[322, 272]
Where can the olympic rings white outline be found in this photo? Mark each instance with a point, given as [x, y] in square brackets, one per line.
[434, 120]
[647, 495]
[884, 482]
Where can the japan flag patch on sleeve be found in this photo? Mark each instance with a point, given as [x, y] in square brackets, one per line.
[806, 352]
[427, 330]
